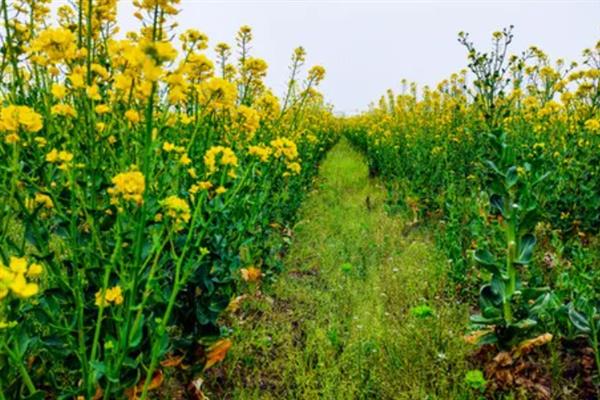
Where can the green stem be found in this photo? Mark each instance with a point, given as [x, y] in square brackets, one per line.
[90, 54]
[101, 307]
[22, 370]
[13, 57]
[78, 279]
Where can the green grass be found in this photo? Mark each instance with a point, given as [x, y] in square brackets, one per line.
[337, 323]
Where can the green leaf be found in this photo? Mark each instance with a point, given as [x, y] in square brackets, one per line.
[136, 337]
[498, 202]
[541, 178]
[525, 323]
[486, 259]
[488, 338]
[526, 249]
[490, 164]
[512, 177]
[499, 287]
[98, 368]
[422, 311]
[579, 320]
[489, 301]
[475, 380]
[528, 221]
[481, 320]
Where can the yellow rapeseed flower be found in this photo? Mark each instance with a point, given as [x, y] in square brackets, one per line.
[64, 110]
[132, 116]
[284, 147]
[12, 279]
[178, 209]
[129, 186]
[262, 152]
[14, 118]
[58, 91]
[228, 158]
[112, 295]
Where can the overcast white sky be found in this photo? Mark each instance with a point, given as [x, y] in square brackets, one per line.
[369, 46]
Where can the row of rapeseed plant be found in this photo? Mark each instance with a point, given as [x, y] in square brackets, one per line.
[143, 185]
[504, 159]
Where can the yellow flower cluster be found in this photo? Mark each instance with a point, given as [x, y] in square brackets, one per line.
[44, 199]
[262, 152]
[132, 116]
[177, 209]
[54, 45]
[16, 118]
[14, 278]
[228, 158]
[63, 158]
[64, 110]
[287, 149]
[112, 295]
[129, 186]
[247, 121]
[202, 185]
[284, 147]
[294, 167]
[217, 94]
[40, 201]
[169, 147]
[592, 125]
[268, 106]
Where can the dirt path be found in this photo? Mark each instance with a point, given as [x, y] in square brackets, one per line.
[349, 317]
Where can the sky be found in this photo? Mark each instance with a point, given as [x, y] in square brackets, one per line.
[367, 47]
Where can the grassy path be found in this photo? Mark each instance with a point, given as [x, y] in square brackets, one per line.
[340, 322]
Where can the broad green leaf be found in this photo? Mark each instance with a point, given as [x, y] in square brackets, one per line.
[526, 249]
[579, 320]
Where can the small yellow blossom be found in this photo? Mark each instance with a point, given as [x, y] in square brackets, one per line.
[58, 91]
[93, 92]
[12, 279]
[44, 199]
[63, 158]
[64, 110]
[129, 186]
[593, 125]
[132, 116]
[112, 295]
[102, 109]
[228, 158]
[168, 147]
[294, 167]
[262, 152]
[185, 160]
[177, 209]
[203, 185]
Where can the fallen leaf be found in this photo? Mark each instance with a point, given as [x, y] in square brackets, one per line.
[157, 380]
[503, 359]
[155, 383]
[527, 346]
[473, 337]
[217, 352]
[172, 361]
[234, 304]
[251, 274]
[195, 389]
